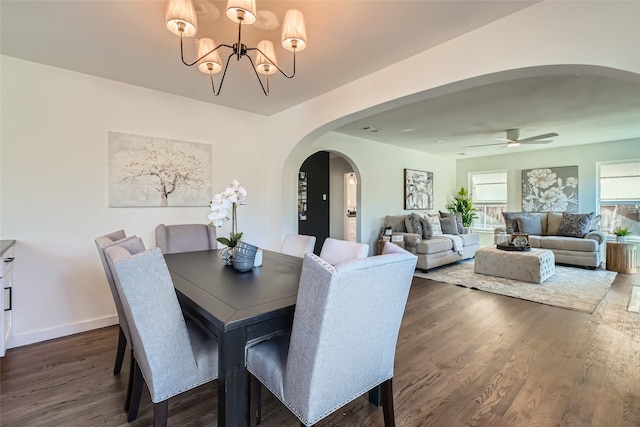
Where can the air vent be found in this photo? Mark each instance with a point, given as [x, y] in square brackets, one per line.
[370, 129]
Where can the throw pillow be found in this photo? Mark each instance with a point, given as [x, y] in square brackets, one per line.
[530, 225]
[414, 222]
[436, 229]
[553, 223]
[575, 225]
[458, 218]
[427, 233]
[510, 220]
[449, 225]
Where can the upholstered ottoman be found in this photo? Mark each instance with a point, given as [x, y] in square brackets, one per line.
[535, 266]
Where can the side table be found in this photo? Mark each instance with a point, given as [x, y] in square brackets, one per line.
[621, 257]
[382, 242]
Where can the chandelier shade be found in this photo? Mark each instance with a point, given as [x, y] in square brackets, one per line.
[210, 59]
[266, 62]
[182, 21]
[242, 11]
[181, 18]
[294, 33]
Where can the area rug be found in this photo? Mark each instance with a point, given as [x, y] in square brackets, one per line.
[571, 288]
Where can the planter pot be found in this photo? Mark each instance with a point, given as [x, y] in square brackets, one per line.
[620, 239]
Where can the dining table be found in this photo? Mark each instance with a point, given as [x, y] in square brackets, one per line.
[238, 309]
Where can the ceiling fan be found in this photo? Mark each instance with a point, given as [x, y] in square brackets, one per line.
[512, 139]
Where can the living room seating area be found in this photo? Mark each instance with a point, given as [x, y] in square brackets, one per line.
[574, 239]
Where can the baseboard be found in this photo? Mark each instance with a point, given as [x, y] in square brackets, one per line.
[33, 337]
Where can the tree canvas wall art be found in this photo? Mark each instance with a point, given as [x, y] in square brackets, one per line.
[550, 189]
[148, 171]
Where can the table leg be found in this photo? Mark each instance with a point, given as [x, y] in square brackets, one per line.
[375, 397]
[232, 382]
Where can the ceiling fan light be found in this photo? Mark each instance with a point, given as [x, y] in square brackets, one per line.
[181, 18]
[242, 11]
[266, 61]
[294, 33]
[513, 144]
[211, 63]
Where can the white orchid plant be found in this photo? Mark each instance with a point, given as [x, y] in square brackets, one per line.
[223, 209]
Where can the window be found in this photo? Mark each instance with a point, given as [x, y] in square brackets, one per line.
[620, 196]
[489, 196]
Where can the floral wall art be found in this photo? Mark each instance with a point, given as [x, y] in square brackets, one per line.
[550, 189]
[150, 171]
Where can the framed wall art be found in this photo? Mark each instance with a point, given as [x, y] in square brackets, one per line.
[418, 189]
[148, 171]
[553, 189]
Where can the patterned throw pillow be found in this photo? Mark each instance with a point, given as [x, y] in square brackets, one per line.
[427, 233]
[458, 218]
[449, 225]
[575, 225]
[510, 220]
[436, 229]
[416, 227]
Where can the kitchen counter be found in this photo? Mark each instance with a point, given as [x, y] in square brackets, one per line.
[5, 245]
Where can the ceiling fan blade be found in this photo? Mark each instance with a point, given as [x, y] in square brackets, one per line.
[501, 138]
[534, 138]
[536, 142]
[483, 145]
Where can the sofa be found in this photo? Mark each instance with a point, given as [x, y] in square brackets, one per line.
[439, 242]
[574, 239]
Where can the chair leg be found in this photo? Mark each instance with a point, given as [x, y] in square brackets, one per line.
[136, 392]
[254, 404]
[127, 404]
[122, 345]
[160, 413]
[387, 403]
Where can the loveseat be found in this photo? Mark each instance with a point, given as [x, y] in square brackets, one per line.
[573, 238]
[440, 240]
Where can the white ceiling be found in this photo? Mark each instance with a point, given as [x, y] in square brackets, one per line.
[127, 41]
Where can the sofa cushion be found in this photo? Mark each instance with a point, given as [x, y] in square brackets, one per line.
[435, 245]
[575, 225]
[530, 225]
[427, 232]
[413, 224]
[458, 217]
[565, 243]
[510, 220]
[396, 222]
[553, 223]
[436, 229]
[449, 225]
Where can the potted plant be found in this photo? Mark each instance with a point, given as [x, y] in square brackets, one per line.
[461, 204]
[620, 233]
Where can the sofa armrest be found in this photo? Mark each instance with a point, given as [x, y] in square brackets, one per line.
[598, 236]
[410, 239]
[500, 230]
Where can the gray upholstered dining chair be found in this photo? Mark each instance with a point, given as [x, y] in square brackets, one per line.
[177, 238]
[133, 245]
[343, 339]
[298, 244]
[172, 355]
[335, 251]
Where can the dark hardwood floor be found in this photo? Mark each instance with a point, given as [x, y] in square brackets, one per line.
[464, 357]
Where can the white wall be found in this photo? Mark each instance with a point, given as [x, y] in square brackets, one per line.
[54, 148]
[584, 156]
[54, 185]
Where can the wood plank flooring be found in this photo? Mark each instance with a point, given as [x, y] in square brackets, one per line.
[464, 358]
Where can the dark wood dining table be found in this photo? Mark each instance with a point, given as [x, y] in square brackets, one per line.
[237, 308]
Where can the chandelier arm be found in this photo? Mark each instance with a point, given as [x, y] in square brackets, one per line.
[274, 64]
[226, 66]
[266, 91]
[190, 64]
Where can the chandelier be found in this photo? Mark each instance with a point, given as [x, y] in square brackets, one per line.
[181, 20]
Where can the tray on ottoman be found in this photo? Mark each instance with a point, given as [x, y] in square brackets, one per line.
[514, 248]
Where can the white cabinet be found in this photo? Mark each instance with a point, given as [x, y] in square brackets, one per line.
[6, 293]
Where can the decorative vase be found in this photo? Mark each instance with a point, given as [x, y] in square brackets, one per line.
[227, 256]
